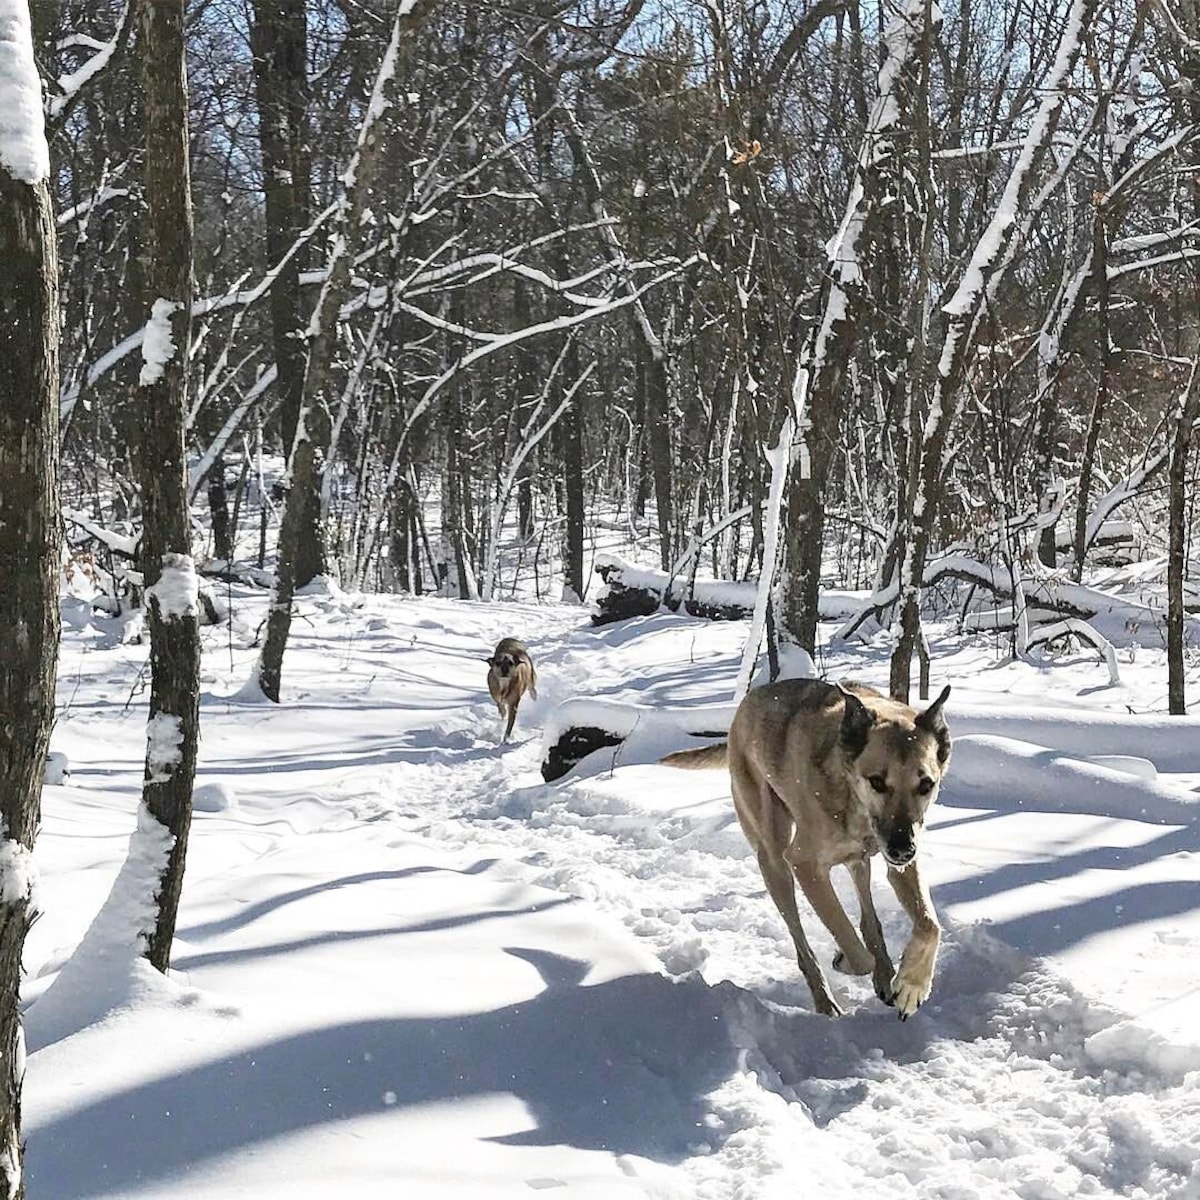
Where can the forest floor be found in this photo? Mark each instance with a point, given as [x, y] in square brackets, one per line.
[406, 966]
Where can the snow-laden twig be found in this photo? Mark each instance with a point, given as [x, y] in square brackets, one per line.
[200, 308]
[530, 436]
[778, 457]
[69, 86]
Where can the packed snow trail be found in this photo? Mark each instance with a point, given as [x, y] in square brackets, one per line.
[389, 920]
[990, 1091]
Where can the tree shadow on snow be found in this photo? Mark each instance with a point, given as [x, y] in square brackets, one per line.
[621, 1066]
[247, 914]
[1054, 927]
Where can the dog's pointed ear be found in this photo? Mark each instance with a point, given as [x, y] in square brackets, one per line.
[856, 723]
[932, 721]
[491, 662]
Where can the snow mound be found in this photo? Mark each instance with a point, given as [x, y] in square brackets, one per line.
[1048, 780]
[214, 797]
[58, 768]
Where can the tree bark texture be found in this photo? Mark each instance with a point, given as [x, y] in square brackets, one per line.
[279, 41]
[880, 179]
[166, 540]
[303, 472]
[1181, 443]
[30, 540]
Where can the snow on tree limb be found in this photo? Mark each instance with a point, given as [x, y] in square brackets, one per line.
[988, 249]
[69, 86]
[200, 308]
[24, 153]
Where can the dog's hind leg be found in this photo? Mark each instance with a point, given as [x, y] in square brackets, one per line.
[777, 876]
[853, 957]
[882, 971]
[914, 979]
[768, 825]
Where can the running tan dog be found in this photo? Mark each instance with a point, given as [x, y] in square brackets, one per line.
[825, 774]
[510, 676]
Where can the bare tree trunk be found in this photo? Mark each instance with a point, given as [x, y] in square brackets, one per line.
[322, 327]
[30, 538]
[171, 600]
[572, 447]
[455, 494]
[821, 379]
[279, 41]
[652, 382]
[218, 506]
[1100, 399]
[1185, 421]
[980, 280]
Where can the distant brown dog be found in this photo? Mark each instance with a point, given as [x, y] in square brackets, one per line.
[510, 676]
[824, 774]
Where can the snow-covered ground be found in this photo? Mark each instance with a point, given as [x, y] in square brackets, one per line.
[407, 967]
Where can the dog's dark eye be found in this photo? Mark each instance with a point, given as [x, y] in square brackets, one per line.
[925, 787]
[877, 782]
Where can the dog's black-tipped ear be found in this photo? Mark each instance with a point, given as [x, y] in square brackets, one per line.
[856, 723]
[491, 662]
[932, 721]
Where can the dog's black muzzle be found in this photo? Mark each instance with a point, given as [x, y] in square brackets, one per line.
[899, 847]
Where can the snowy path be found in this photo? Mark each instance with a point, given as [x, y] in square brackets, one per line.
[386, 849]
[992, 1092]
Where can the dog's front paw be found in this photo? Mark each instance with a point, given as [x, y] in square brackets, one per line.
[909, 993]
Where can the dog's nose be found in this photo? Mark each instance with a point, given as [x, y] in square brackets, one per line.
[899, 849]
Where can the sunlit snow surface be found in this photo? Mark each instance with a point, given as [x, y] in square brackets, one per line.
[407, 967]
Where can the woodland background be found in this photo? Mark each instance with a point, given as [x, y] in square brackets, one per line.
[886, 297]
[600, 244]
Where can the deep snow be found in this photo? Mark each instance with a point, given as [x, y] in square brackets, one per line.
[406, 966]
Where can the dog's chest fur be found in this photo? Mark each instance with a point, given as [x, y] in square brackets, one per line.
[848, 833]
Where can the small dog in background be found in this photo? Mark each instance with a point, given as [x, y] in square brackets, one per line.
[510, 676]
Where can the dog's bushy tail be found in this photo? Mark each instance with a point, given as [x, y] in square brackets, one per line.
[707, 758]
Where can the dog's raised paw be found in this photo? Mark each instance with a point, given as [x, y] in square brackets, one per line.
[908, 997]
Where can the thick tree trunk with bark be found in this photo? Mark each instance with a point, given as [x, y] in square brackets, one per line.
[880, 178]
[30, 538]
[171, 604]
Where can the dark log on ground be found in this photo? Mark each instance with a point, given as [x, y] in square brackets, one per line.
[573, 745]
[633, 592]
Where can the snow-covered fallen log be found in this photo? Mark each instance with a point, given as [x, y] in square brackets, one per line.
[631, 591]
[1050, 597]
[630, 733]
[1100, 763]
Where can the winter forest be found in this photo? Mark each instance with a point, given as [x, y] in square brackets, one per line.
[697, 344]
